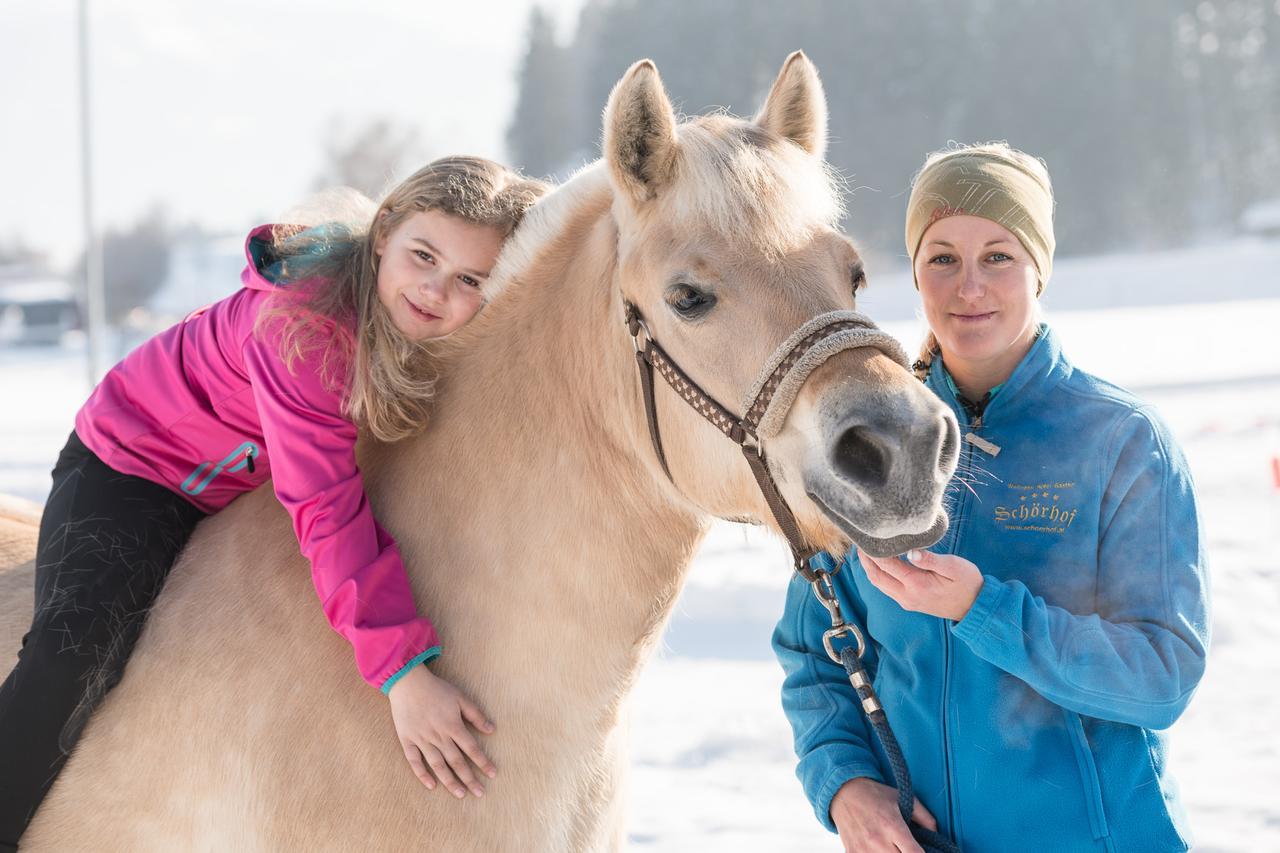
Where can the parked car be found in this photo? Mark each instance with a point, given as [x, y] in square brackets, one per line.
[1262, 218]
[36, 307]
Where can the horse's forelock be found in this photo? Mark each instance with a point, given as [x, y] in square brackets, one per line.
[740, 181]
[736, 182]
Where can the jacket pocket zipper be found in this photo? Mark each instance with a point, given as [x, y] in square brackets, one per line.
[204, 473]
[1088, 775]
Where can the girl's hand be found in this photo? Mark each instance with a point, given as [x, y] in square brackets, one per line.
[866, 815]
[431, 716]
[938, 584]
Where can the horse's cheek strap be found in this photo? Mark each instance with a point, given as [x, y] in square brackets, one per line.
[651, 408]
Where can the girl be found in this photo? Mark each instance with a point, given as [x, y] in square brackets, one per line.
[1028, 663]
[326, 336]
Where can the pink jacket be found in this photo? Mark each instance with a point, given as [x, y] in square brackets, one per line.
[210, 411]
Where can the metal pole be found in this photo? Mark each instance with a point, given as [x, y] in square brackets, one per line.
[95, 297]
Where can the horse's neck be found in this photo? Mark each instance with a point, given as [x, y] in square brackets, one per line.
[529, 493]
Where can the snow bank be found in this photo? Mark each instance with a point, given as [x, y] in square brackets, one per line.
[711, 751]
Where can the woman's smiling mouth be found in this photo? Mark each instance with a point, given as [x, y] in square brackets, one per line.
[974, 318]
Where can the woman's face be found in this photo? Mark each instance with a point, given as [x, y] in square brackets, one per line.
[978, 285]
[430, 269]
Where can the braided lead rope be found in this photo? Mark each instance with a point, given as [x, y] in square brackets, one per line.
[929, 840]
[850, 657]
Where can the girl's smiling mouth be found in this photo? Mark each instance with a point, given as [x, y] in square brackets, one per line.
[419, 312]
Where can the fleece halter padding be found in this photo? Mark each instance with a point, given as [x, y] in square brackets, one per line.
[780, 380]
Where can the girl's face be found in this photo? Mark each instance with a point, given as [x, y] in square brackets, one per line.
[430, 269]
[978, 285]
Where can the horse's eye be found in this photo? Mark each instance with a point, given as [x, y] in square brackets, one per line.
[858, 277]
[689, 302]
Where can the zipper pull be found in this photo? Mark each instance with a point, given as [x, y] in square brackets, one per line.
[248, 457]
[971, 437]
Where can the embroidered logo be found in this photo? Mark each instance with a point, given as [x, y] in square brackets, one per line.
[942, 212]
[1042, 507]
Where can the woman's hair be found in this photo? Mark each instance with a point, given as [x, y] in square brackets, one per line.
[1031, 166]
[387, 379]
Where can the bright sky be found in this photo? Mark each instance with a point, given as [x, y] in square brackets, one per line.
[219, 110]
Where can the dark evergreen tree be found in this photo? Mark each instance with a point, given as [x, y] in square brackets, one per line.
[1159, 120]
[543, 128]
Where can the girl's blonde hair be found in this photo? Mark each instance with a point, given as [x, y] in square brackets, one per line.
[387, 379]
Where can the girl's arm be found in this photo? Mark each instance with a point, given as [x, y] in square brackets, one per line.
[832, 739]
[355, 564]
[1140, 657]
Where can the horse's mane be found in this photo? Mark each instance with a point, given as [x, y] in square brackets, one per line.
[542, 223]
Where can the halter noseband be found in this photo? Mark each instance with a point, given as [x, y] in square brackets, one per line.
[766, 404]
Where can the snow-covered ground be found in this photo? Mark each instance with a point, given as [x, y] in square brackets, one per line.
[711, 751]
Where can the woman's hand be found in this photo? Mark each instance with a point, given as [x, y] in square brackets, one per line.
[938, 584]
[866, 815]
[431, 716]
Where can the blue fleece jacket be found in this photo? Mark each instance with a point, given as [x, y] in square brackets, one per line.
[1033, 722]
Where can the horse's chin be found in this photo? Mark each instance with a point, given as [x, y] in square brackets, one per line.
[876, 546]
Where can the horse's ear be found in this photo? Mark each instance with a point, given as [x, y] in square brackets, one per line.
[640, 133]
[796, 108]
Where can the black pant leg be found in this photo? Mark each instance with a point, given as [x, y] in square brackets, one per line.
[107, 542]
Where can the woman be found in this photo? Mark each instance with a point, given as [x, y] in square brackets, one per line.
[1029, 662]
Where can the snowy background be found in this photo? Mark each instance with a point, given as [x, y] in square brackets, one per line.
[1158, 120]
[711, 750]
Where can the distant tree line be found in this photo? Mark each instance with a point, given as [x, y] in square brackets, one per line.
[135, 261]
[1159, 119]
[136, 257]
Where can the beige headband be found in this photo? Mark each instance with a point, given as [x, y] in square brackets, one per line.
[992, 181]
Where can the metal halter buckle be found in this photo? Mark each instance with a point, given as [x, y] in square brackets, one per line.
[635, 327]
[835, 631]
[825, 592]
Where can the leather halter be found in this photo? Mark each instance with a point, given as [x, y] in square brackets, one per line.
[780, 380]
[806, 349]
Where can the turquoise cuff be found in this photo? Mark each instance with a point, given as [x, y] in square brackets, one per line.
[430, 653]
[974, 624]
[836, 780]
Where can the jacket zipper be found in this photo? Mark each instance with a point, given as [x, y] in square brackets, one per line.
[946, 735]
[974, 425]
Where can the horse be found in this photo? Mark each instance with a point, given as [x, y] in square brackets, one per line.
[542, 533]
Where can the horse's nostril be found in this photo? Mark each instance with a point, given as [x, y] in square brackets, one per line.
[859, 458]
